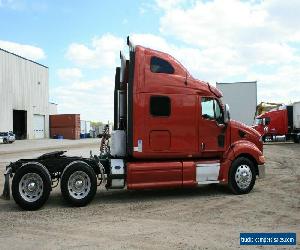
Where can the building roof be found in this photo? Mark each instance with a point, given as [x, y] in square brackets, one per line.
[235, 82]
[23, 58]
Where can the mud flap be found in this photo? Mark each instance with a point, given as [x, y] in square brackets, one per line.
[6, 189]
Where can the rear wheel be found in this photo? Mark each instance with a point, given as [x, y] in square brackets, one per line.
[78, 184]
[242, 176]
[5, 140]
[31, 186]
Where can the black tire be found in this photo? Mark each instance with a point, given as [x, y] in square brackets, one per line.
[296, 139]
[5, 141]
[83, 195]
[18, 193]
[245, 165]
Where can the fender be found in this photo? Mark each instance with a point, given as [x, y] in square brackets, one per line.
[248, 148]
[236, 149]
[75, 162]
[38, 164]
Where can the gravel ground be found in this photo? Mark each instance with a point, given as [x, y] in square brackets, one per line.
[208, 217]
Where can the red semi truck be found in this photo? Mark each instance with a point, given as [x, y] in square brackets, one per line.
[170, 131]
[281, 121]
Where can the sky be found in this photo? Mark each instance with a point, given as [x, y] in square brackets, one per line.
[216, 40]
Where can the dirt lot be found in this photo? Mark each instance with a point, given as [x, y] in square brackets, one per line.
[208, 217]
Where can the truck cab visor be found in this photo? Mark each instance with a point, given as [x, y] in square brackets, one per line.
[215, 91]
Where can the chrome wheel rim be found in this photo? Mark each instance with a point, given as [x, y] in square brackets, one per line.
[31, 187]
[79, 185]
[243, 176]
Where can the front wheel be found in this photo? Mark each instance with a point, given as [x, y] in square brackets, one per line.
[31, 186]
[242, 176]
[78, 184]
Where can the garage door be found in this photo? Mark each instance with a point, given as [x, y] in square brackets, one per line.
[39, 126]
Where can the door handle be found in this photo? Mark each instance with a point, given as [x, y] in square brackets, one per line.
[202, 146]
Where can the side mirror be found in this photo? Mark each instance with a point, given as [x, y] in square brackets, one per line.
[226, 114]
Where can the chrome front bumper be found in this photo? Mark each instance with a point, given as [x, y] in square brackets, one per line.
[261, 171]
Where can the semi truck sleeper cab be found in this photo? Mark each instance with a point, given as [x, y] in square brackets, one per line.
[170, 131]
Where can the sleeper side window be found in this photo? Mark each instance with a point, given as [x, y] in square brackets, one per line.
[158, 65]
[160, 106]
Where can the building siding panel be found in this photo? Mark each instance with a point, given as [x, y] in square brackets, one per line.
[19, 90]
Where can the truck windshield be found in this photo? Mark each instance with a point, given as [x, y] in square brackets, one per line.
[258, 121]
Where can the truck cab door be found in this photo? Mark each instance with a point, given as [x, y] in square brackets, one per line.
[212, 129]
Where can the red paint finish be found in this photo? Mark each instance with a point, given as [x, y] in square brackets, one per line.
[248, 148]
[189, 174]
[160, 140]
[250, 135]
[224, 170]
[153, 175]
[278, 123]
[64, 121]
[209, 131]
[172, 145]
[182, 124]
[180, 134]
[149, 175]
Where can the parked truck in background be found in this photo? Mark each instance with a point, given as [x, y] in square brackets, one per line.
[281, 121]
[170, 131]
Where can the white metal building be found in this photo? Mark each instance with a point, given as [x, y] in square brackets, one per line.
[24, 101]
[52, 108]
[242, 100]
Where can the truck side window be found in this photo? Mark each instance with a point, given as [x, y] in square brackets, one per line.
[158, 65]
[211, 109]
[160, 106]
[267, 120]
[208, 108]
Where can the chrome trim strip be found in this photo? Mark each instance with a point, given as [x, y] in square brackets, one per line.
[207, 182]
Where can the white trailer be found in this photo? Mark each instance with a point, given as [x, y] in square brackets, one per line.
[82, 127]
[242, 100]
[293, 112]
[87, 127]
[296, 115]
